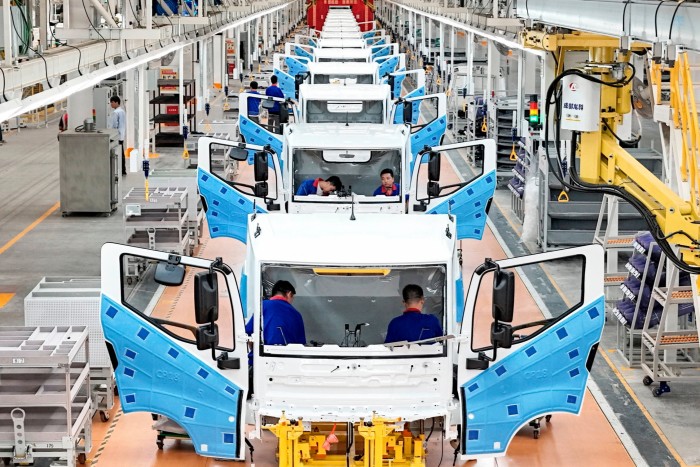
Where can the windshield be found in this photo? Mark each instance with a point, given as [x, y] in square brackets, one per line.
[331, 300]
[343, 79]
[345, 112]
[341, 59]
[359, 170]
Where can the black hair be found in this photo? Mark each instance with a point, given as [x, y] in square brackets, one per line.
[282, 287]
[273, 79]
[335, 180]
[115, 99]
[387, 171]
[412, 292]
[253, 85]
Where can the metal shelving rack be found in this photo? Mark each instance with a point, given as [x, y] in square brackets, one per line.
[75, 301]
[171, 138]
[501, 124]
[45, 403]
[159, 223]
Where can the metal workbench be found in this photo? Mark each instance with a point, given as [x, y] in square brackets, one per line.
[75, 301]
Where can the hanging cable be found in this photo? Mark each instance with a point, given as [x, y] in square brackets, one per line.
[66, 44]
[27, 45]
[138, 21]
[579, 185]
[104, 57]
[673, 18]
[656, 19]
[4, 82]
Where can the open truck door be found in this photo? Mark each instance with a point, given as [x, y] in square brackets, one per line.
[431, 114]
[396, 81]
[291, 71]
[300, 50]
[258, 133]
[437, 190]
[389, 64]
[191, 368]
[227, 203]
[513, 369]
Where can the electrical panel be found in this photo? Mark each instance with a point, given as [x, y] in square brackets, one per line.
[580, 107]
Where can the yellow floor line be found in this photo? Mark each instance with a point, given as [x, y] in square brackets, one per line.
[645, 412]
[29, 228]
[5, 298]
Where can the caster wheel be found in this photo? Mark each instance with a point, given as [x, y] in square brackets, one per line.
[657, 392]
[6, 460]
[536, 434]
[548, 418]
[104, 416]
[82, 458]
[647, 380]
[160, 445]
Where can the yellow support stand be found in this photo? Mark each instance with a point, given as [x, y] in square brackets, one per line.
[146, 187]
[185, 153]
[383, 441]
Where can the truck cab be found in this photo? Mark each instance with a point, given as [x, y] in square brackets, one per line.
[476, 375]
[343, 73]
[350, 103]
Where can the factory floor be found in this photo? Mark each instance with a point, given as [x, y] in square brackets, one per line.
[621, 423]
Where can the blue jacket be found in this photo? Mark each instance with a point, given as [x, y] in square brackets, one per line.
[396, 190]
[274, 91]
[308, 187]
[412, 326]
[282, 323]
[253, 105]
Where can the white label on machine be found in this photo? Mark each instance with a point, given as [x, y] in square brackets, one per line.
[580, 104]
[17, 361]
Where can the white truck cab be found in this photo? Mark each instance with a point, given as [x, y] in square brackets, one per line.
[343, 73]
[487, 374]
[351, 103]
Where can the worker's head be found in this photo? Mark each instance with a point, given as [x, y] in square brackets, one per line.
[273, 80]
[413, 296]
[115, 102]
[387, 176]
[254, 85]
[283, 289]
[330, 185]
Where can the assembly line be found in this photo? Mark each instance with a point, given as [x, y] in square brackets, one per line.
[348, 233]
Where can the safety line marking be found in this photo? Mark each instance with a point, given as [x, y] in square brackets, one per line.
[108, 435]
[29, 228]
[5, 298]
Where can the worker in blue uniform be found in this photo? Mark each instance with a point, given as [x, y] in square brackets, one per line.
[413, 325]
[319, 186]
[282, 323]
[388, 187]
[273, 114]
[254, 103]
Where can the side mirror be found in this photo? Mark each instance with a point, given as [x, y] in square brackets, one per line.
[433, 189]
[408, 112]
[207, 336]
[169, 274]
[284, 113]
[261, 190]
[260, 166]
[434, 166]
[391, 79]
[206, 297]
[239, 154]
[501, 335]
[503, 296]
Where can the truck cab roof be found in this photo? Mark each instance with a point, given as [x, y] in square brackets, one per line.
[338, 135]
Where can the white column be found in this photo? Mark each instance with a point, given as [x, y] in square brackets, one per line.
[469, 50]
[133, 99]
[142, 128]
[442, 47]
[7, 32]
[181, 76]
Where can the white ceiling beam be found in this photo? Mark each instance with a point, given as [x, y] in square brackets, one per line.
[111, 34]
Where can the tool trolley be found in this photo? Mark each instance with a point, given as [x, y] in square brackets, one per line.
[45, 403]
